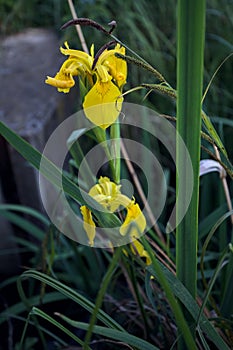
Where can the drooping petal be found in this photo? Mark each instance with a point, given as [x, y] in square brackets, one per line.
[80, 55]
[82, 58]
[135, 222]
[138, 249]
[63, 82]
[88, 224]
[105, 102]
[117, 201]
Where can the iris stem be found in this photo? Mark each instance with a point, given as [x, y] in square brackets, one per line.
[116, 150]
[101, 138]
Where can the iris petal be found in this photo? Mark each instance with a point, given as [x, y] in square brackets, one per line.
[88, 224]
[63, 82]
[104, 95]
[117, 67]
[102, 98]
[135, 222]
[79, 55]
[108, 194]
[138, 249]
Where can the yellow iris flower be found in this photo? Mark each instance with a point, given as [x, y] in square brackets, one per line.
[109, 195]
[105, 74]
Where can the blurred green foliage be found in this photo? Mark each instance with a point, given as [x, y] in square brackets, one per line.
[148, 27]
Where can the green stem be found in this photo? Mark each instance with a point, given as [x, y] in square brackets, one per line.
[116, 150]
[102, 140]
[191, 30]
[99, 300]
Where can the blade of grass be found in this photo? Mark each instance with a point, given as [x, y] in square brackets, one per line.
[182, 324]
[68, 292]
[100, 296]
[212, 281]
[113, 334]
[25, 210]
[44, 330]
[183, 295]
[207, 241]
[23, 223]
[42, 314]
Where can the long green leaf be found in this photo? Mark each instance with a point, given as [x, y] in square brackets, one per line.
[158, 271]
[23, 223]
[212, 281]
[190, 53]
[68, 292]
[44, 330]
[190, 304]
[190, 57]
[113, 334]
[54, 174]
[25, 210]
[42, 314]
[105, 282]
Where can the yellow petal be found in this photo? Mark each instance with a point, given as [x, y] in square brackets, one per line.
[83, 56]
[108, 194]
[135, 222]
[105, 102]
[117, 67]
[80, 56]
[102, 72]
[92, 50]
[112, 203]
[138, 249]
[105, 186]
[117, 201]
[63, 82]
[88, 224]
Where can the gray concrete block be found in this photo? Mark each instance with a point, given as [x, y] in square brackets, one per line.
[27, 105]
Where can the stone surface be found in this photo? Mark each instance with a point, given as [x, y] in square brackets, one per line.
[33, 110]
[27, 105]
[26, 102]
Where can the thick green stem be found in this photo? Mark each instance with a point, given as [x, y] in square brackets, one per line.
[102, 140]
[191, 30]
[116, 150]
